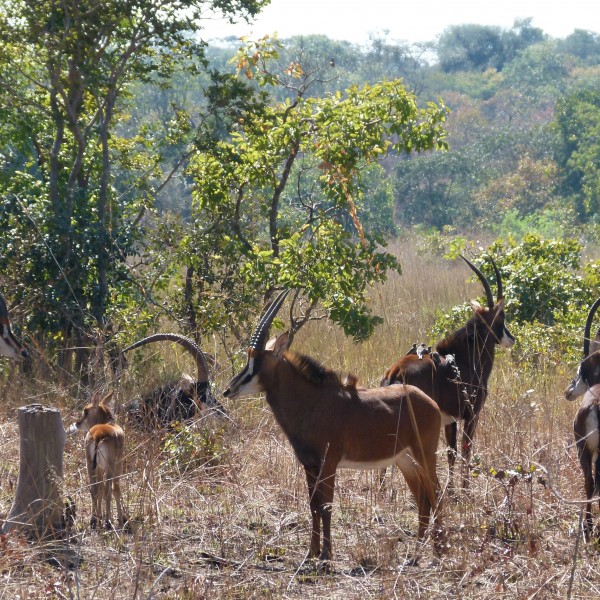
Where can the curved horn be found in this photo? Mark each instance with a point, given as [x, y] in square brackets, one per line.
[588, 328]
[500, 291]
[3, 307]
[486, 284]
[187, 343]
[259, 337]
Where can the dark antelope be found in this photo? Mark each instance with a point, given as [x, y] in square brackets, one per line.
[456, 374]
[177, 401]
[586, 425]
[9, 344]
[330, 424]
[104, 453]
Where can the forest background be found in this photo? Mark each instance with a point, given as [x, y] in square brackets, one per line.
[148, 176]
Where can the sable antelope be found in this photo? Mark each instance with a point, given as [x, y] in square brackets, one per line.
[586, 425]
[456, 374]
[9, 345]
[176, 401]
[331, 424]
[104, 452]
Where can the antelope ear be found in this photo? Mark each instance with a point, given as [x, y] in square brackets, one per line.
[271, 344]
[282, 343]
[107, 398]
[476, 306]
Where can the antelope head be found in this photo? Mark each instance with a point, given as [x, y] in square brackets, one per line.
[248, 381]
[588, 372]
[493, 315]
[9, 345]
[94, 413]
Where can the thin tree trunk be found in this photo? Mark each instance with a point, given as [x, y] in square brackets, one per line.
[38, 507]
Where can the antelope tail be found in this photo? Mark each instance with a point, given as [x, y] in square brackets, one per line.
[95, 457]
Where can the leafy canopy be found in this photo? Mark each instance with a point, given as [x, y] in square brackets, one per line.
[295, 198]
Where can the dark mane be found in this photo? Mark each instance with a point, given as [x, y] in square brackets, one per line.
[456, 340]
[314, 371]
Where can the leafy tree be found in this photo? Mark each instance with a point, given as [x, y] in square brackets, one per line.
[583, 44]
[529, 188]
[539, 72]
[65, 70]
[578, 123]
[293, 199]
[470, 47]
[480, 47]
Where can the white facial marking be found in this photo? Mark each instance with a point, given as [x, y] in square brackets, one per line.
[6, 348]
[506, 341]
[576, 388]
[250, 388]
[72, 429]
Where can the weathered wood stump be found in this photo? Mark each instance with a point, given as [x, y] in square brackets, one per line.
[38, 506]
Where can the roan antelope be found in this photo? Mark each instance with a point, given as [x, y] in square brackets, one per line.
[331, 424]
[586, 425]
[9, 345]
[456, 374]
[177, 401]
[104, 453]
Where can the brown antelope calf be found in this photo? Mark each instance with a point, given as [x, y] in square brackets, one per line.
[330, 424]
[456, 374]
[104, 452]
[586, 425]
[9, 345]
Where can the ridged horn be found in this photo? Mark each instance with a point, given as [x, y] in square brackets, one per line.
[500, 291]
[484, 281]
[3, 307]
[588, 328]
[186, 342]
[259, 337]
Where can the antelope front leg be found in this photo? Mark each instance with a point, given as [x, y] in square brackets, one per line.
[324, 493]
[321, 484]
[466, 447]
[585, 460]
[451, 433]
[312, 475]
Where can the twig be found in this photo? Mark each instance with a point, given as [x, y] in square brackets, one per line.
[575, 552]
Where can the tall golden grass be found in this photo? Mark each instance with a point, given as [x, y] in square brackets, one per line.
[234, 522]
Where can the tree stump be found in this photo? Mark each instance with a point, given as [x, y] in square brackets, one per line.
[38, 505]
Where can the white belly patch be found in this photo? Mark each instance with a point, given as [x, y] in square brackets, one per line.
[402, 458]
[447, 419]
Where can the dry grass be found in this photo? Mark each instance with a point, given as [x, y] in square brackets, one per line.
[238, 526]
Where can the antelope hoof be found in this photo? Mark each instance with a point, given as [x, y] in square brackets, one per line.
[93, 522]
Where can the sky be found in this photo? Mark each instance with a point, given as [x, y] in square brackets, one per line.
[408, 20]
